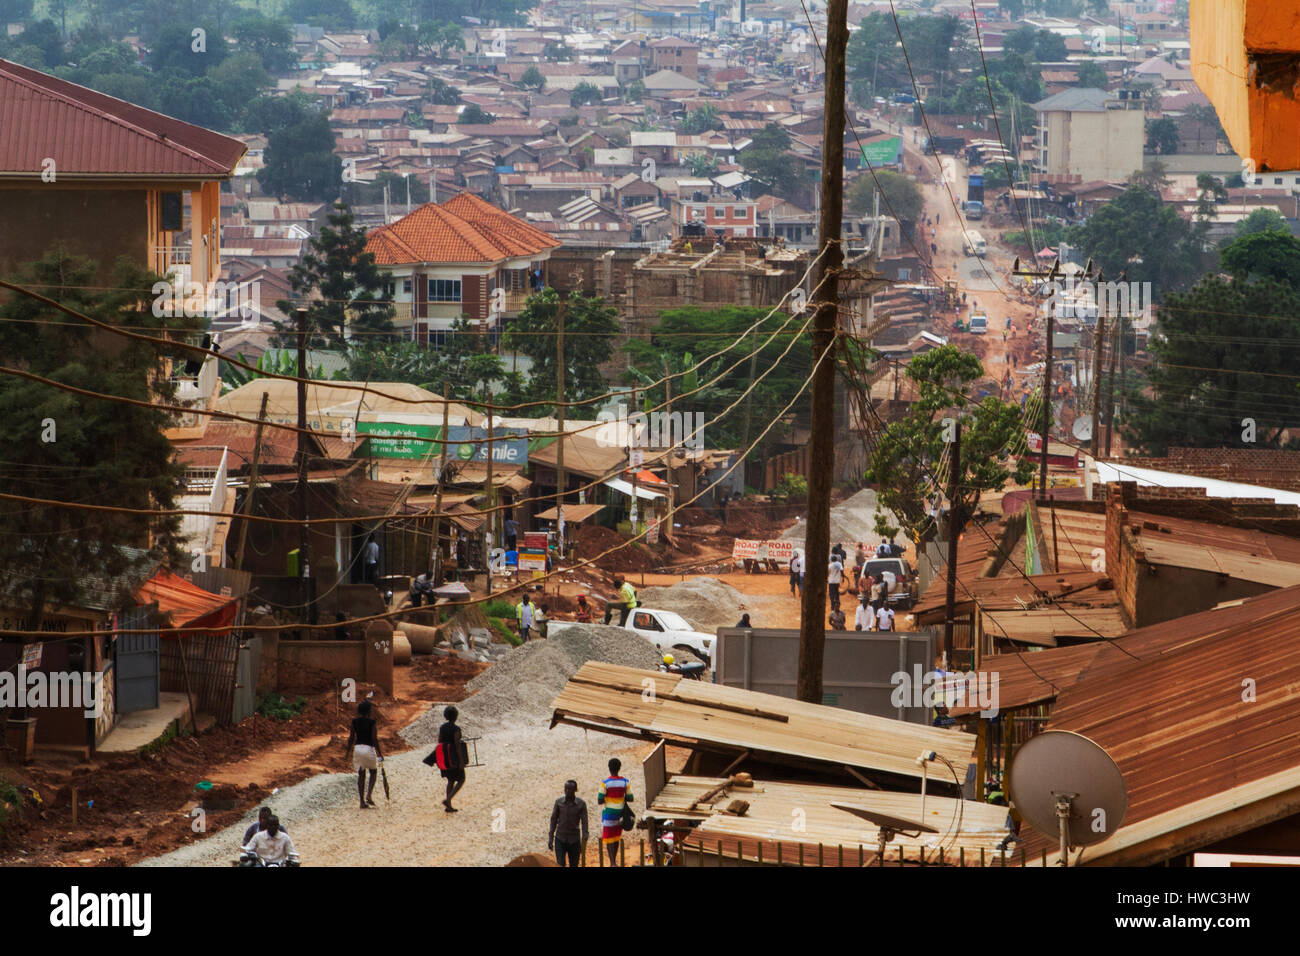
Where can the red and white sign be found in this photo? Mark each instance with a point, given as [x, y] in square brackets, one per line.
[776, 550]
[32, 656]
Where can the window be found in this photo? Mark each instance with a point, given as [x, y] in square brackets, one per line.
[406, 286]
[904, 275]
[390, 288]
[444, 290]
[645, 622]
[719, 212]
[1277, 180]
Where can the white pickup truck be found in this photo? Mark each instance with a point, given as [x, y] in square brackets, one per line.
[666, 630]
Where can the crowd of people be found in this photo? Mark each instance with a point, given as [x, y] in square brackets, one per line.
[871, 588]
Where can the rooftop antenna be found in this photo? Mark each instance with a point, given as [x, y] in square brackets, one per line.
[1062, 781]
[887, 827]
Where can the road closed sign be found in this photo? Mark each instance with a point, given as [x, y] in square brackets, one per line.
[750, 550]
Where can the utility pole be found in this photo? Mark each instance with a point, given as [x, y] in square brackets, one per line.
[302, 459]
[821, 445]
[954, 531]
[436, 563]
[634, 446]
[1098, 347]
[1110, 380]
[252, 485]
[1047, 402]
[490, 525]
[560, 481]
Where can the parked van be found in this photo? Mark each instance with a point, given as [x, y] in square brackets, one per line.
[974, 244]
[979, 323]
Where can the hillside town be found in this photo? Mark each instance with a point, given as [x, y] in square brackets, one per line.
[598, 434]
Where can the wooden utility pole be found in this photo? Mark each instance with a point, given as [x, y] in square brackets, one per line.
[302, 459]
[1098, 349]
[252, 485]
[1110, 380]
[1047, 402]
[821, 445]
[560, 480]
[490, 525]
[436, 562]
[954, 532]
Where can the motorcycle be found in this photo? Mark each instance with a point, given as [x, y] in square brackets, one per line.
[250, 859]
[692, 670]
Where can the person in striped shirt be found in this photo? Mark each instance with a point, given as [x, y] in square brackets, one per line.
[615, 793]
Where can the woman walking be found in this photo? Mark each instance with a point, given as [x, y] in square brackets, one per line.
[363, 744]
[615, 794]
[453, 756]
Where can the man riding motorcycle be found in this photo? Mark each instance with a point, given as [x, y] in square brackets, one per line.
[272, 846]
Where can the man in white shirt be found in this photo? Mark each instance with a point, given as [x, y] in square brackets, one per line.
[862, 617]
[796, 574]
[834, 574]
[371, 553]
[885, 618]
[272, 845]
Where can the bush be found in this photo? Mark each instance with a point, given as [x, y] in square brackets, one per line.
[276, 707]
[504, 632]
[11, 802]
[793, 486]
[498, 608]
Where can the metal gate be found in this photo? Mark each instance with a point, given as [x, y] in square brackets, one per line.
[137, 664]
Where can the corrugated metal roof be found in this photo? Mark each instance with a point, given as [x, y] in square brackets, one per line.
[1182, 729]
[90, 134]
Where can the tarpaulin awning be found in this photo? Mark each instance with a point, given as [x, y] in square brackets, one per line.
[625, 488]
[187, 605]
[1046, 253]
[573, 514]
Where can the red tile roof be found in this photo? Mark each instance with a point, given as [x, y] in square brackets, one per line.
[462, 229]
[89, 134]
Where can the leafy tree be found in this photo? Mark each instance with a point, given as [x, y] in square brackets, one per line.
[194, 99]
[332, 14]
[1092, 76]
[907, 452]
[15, 11]
[45, 36]
[102, 451]
[1139, 233]
[443, 93]
[635, 92]
[284, 362]
[899, 194]
[1041, 45]
[583, 94]
[1267, 254]
[589, 325]
[172, 47]
[1162, 136]
[532, 79]
[270, 39]
[1223, 357]
[768, 160]
[702, 120]
[873, 51]
[475, 115]
[1263, 219]
[350, 285]
[703, 166]
[299, 160]
[703, 332]
[438, 37]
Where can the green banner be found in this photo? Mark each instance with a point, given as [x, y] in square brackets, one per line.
[883, 152]
[389, 440]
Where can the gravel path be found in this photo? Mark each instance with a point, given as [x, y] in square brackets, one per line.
[505, 806]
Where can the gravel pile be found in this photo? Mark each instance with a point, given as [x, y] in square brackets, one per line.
[706, 603]
[852, 520]
[523, 684]
[506, 803]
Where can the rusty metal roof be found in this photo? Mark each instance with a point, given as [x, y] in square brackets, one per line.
[1191, 739]
[90, 135]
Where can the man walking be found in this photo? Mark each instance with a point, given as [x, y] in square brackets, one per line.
[796, 574]
[524, 613]
[568, 832]
[512, 534]
[885, 618]
[834, 574]
[625, 603]
[862, 616]
[370, 555]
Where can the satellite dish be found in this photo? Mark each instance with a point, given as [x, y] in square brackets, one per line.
[1062, 781]
[888, 827]
[1082, 428]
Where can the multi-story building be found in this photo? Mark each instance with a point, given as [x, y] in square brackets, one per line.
[452, 259]
[1089, 134]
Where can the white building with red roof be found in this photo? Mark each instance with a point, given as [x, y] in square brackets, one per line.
[460, 257]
